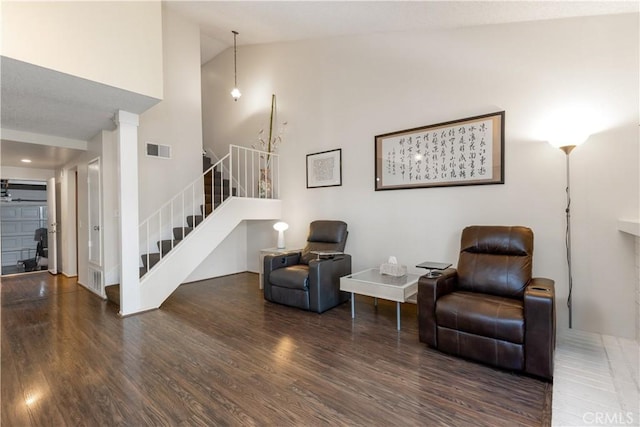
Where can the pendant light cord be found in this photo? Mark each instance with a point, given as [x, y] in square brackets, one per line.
[235, 60]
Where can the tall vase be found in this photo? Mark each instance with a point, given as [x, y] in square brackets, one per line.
[264, 184]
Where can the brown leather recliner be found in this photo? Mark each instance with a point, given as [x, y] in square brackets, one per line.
[304, 280]
[490, 309]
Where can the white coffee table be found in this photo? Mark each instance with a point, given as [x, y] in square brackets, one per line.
[371, 283]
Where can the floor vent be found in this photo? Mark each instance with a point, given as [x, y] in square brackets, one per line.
[95, 280]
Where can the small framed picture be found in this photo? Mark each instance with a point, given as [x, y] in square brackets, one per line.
[324, 169]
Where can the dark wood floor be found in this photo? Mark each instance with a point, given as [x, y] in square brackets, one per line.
[217, 354]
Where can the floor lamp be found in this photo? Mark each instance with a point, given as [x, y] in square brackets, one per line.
[567, 151]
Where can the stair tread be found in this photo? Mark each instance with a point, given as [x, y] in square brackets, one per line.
[181, 232]
[166, 245]
[154, 258]
[194, 220]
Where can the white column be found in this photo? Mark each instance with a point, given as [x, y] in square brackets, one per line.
[127, 142]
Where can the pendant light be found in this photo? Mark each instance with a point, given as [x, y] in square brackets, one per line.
[235, 93]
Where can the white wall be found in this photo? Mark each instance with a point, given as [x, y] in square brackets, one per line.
[176, 121]
[90, 40]
[227, 258]
[638, 287]
[261, 235]
[239, 251]
[10, 172]
[340, 93]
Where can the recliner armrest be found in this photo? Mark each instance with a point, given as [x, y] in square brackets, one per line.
[429, 290]
[324, 281]
[540, 327]
[333, 265]
[274, 262]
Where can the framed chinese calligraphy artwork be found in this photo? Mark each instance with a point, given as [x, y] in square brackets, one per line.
[461, 152]
[324, 169]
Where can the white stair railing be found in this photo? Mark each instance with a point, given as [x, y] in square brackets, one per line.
[215, 158]
[243, 172]
[256, 172]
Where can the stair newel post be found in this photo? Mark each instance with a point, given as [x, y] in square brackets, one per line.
[184, 214]
[171, 224]
[204, 197]
[230, 165]
[213, 188]
[147, 244]
[253, 174]
[245, 173]
[231, 178]
[276, 193]
[238, 172]
[160, 230]
[221, 182]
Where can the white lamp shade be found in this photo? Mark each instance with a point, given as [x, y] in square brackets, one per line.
[567, 139]
[280, 227]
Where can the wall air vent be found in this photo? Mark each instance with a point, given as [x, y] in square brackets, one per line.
[157, 150]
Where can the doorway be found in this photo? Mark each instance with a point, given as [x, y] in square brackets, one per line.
[24, 215]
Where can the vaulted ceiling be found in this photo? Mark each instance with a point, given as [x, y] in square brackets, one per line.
[39, 101]
[260, 22]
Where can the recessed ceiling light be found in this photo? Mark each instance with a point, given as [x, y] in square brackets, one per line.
[26, 161]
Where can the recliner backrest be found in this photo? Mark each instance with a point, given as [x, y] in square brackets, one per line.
[495, 260]
[324, 235]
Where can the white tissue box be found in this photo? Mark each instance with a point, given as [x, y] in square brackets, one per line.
[396, 270]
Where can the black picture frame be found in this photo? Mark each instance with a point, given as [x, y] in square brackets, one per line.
[468, 151]
[324, 169]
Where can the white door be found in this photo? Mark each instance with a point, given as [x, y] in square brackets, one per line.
[52, 226]
[95, 224]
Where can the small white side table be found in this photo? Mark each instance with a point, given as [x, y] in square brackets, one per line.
[374, 284]
[270, 251]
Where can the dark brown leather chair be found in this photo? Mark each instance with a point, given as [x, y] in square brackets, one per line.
[305, 280]
[490, 309]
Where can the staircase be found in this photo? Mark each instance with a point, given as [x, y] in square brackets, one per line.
[216, 191]
[225, 195]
